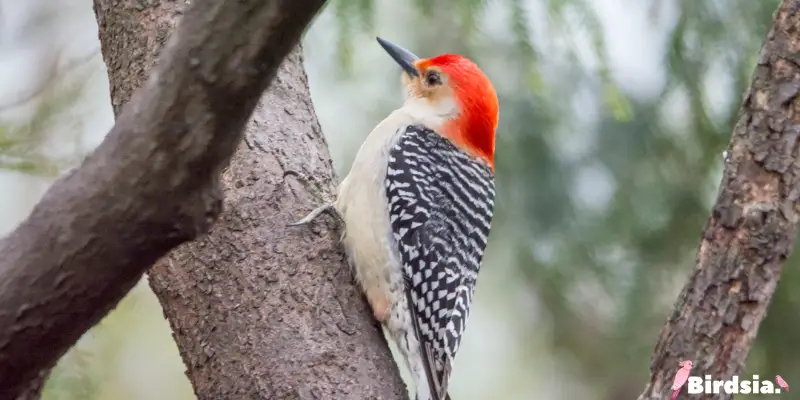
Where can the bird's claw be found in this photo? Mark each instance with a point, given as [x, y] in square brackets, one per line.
[327, 207]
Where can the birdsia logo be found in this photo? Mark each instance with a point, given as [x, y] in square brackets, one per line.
[706, 385]
[755, 385]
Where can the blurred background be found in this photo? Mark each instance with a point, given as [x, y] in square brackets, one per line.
[614, 118]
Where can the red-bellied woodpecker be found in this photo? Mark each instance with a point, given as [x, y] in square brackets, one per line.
[417, 207]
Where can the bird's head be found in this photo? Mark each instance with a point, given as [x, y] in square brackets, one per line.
[454, 95]
[686, 364]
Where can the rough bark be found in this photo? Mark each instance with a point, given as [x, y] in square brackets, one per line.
[33, 391]
[752, 227]
[152, 184]
[259, 310]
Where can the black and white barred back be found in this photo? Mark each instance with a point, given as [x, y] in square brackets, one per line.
[441, 203]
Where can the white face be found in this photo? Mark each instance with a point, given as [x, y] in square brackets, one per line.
[430, 98]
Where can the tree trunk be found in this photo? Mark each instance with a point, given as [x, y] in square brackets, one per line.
[259, 310]
[154, 181]
[752, 227]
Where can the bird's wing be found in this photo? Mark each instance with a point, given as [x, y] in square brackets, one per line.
[441, 206]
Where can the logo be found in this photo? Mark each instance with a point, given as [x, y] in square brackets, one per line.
[735, 385]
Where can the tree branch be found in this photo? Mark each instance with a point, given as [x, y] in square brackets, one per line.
[151, 185]
[35, 387]
[259, 310]
[752, 227]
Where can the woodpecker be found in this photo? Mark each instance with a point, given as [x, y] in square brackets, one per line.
[417, 207]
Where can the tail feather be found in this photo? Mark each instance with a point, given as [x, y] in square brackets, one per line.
[675, 394]
[446, 397]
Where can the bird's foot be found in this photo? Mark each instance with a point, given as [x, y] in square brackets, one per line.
[327, 207]
[380, 310]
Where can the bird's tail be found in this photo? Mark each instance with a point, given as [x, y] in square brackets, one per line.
[675, 394]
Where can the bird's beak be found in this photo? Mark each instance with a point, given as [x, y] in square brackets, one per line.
[402, 56]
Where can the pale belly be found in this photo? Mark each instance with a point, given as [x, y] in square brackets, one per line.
[373, 255]
[368, 239]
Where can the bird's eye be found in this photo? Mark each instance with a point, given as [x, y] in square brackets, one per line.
[433, 78]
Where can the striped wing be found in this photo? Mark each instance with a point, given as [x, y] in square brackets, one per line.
[441, 203]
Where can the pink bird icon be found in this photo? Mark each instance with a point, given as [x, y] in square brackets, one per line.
[782, 383]
[681, 377]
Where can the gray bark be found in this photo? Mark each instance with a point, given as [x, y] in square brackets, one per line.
[259, 310]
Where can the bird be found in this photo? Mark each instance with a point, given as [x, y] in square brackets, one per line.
[782, 383]
[417, 206]
[681, 377]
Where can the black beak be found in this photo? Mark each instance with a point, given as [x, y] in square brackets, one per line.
[403, 57]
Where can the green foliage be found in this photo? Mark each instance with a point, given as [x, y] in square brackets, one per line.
[21, 145]
[521, 31]
[73, 377]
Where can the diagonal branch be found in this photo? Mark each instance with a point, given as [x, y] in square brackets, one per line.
[752, 227]
[151, 185]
